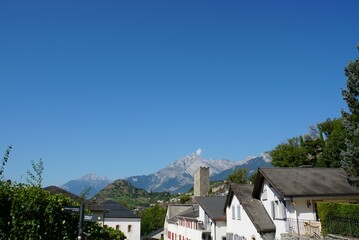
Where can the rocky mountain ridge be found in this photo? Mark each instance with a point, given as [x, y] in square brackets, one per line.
[176, 177]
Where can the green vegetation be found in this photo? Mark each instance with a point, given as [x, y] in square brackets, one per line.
[152, 219]
[185, 198]
[123, 192]
[337, 218]
[29, 212]
[350, 155]
[333, 143]
[238, 176]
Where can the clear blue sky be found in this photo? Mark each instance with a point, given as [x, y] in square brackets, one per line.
[122, 88]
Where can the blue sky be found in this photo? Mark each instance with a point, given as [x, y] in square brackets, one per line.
[123, 88]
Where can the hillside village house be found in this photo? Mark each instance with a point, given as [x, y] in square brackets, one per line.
[290, 196]
[113, 214]
[119, 217]
[211, 216]
[182, 225]
[204, 220]
[246, 217]
[283, 201]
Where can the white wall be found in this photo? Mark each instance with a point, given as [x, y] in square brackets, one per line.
[124, 223]
[191, 234]
[243, 227]
[272, 195]
[219, 230]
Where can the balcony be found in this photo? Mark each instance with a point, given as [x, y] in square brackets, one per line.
[303, 227]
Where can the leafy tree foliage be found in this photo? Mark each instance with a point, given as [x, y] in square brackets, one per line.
[253, 178]
[29, 212]
[238, 176]
[35, 178]
[334, 143]
[293, 153]
[152, 219]
[4, 161]
[184, 198]
[350, 155]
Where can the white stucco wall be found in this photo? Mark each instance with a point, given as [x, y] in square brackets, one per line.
[123, 224]
[272, 195]
[219, 230]
[243, 227]
[191, 234]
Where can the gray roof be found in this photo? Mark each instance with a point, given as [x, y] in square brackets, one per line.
[213, 206]
[190, 212]
[253, 207]
[306, 182]
[116, 210]
[175, 209]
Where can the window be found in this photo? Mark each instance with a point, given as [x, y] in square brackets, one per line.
[238, 212]
[233, 212]
[129, 228]
[278, 210]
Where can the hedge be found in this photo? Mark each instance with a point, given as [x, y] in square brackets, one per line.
[339, 218]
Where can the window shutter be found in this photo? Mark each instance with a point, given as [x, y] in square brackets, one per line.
[239, 212]
[273, 209]
[233, 212]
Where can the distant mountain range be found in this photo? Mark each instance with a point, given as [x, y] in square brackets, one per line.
[175, 178]
[90, 182]
[178, 177]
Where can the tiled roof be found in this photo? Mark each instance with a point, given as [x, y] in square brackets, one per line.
[253, 207]
[306, 182]
[213, 206]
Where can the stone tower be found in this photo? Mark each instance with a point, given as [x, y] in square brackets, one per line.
[201, 182]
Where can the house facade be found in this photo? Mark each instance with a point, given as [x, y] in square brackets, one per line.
[119, 217]
[282, 201]
[290, 196]
[212, 217]
[205, 220]
[246, 217]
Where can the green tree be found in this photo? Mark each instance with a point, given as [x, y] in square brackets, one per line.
[29, 212]
[253, 178]
[184, 198]
[334, 143]
[290, 154]
[152, 219]
[238, 176]
[350, 156]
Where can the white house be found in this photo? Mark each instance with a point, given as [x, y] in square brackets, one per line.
[119, 217]
[246, 217]
[181, 222]
[290, 196]
[205, 220]
[212, 217]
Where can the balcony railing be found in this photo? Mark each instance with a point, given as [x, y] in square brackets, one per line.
[303, 227]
